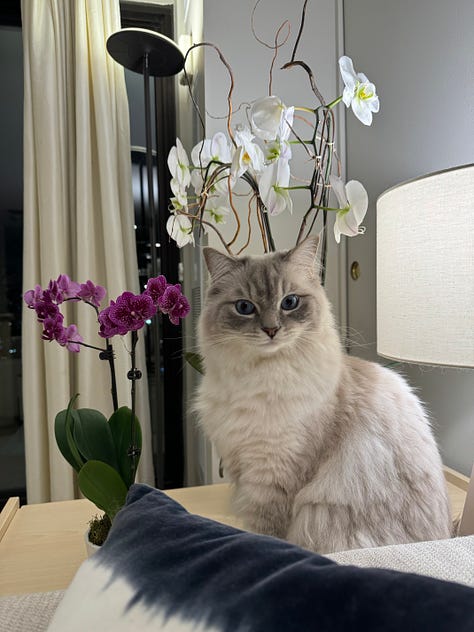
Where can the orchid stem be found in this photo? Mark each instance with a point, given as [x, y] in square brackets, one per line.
[301, 108]
[328, 208]
[332, 104]
[84, 344]
[134, 374]
[296, 188]
[113, 379]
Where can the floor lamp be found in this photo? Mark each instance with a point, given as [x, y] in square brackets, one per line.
[152, 55]
[425, 276]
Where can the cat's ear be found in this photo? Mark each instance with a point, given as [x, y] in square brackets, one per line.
[305, 256]
[218, 263]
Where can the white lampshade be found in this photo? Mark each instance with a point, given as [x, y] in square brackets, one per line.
[425, 269]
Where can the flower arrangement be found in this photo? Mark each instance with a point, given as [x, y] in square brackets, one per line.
[104, 453]
[253, 160]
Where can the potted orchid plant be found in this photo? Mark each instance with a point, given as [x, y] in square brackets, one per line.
[104, 452]
[253, 162]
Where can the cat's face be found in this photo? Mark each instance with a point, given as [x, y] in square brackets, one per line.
[265, 303]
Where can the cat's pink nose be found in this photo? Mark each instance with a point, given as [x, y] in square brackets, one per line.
[270, 331]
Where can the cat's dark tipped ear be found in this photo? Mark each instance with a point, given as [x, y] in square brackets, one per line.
[217, 262]
[305, 255]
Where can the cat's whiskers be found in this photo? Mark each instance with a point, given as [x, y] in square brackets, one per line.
[353, 338]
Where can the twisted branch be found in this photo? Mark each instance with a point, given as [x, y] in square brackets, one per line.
[231, 87]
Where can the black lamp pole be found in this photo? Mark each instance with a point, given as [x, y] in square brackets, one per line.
[149, 166]
[152, 55]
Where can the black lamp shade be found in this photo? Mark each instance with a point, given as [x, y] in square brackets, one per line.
[129, 46]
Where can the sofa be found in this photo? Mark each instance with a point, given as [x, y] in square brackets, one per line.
[171, 566]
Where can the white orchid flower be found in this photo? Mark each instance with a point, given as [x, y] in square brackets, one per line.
[286, 123]
[180, 229]
[240, 163]
[215, 149]
[197, 180]
[358, 91]
[353, 202]
[178, 164]
[216, 210]
[272, 187]
[266, 116]
[179, 191]
[280, 147]
[177, 206]
[247, 154]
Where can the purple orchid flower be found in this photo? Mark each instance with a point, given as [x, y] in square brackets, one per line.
[31, 297]
[130, 311]
[107, 327]
[174, 303]
[53, 292]
[45, 308]
[53, 327]
[68, 288]
[156, 288]
[70, 338]
[92, 293]
[61, 289]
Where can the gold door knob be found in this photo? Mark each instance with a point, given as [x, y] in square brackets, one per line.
[355, 270]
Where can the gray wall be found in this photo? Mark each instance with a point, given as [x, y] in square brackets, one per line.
[420, 55]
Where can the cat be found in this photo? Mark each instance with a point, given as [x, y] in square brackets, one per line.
[323, 449]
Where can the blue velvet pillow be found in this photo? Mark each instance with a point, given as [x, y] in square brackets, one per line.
[165, 569]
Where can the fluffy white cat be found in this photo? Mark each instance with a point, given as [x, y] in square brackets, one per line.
[324, 449]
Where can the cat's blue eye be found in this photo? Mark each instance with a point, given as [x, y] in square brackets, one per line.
[244, 307]
[290, 302]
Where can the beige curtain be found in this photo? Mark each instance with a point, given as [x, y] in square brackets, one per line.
[78, 218]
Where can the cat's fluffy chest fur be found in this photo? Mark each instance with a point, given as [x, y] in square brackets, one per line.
[325, 450]
[266, 410]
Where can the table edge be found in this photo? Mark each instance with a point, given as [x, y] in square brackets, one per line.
[8, 512]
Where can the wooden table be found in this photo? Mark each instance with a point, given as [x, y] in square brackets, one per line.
[42, 546]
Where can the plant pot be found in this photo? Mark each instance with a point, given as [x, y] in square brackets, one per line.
[90, 548]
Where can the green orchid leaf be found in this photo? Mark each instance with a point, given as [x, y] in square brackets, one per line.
[120, 424]
[93, 437]
[64, 436]
[71, 421]
[101, 484]
[195, 360]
